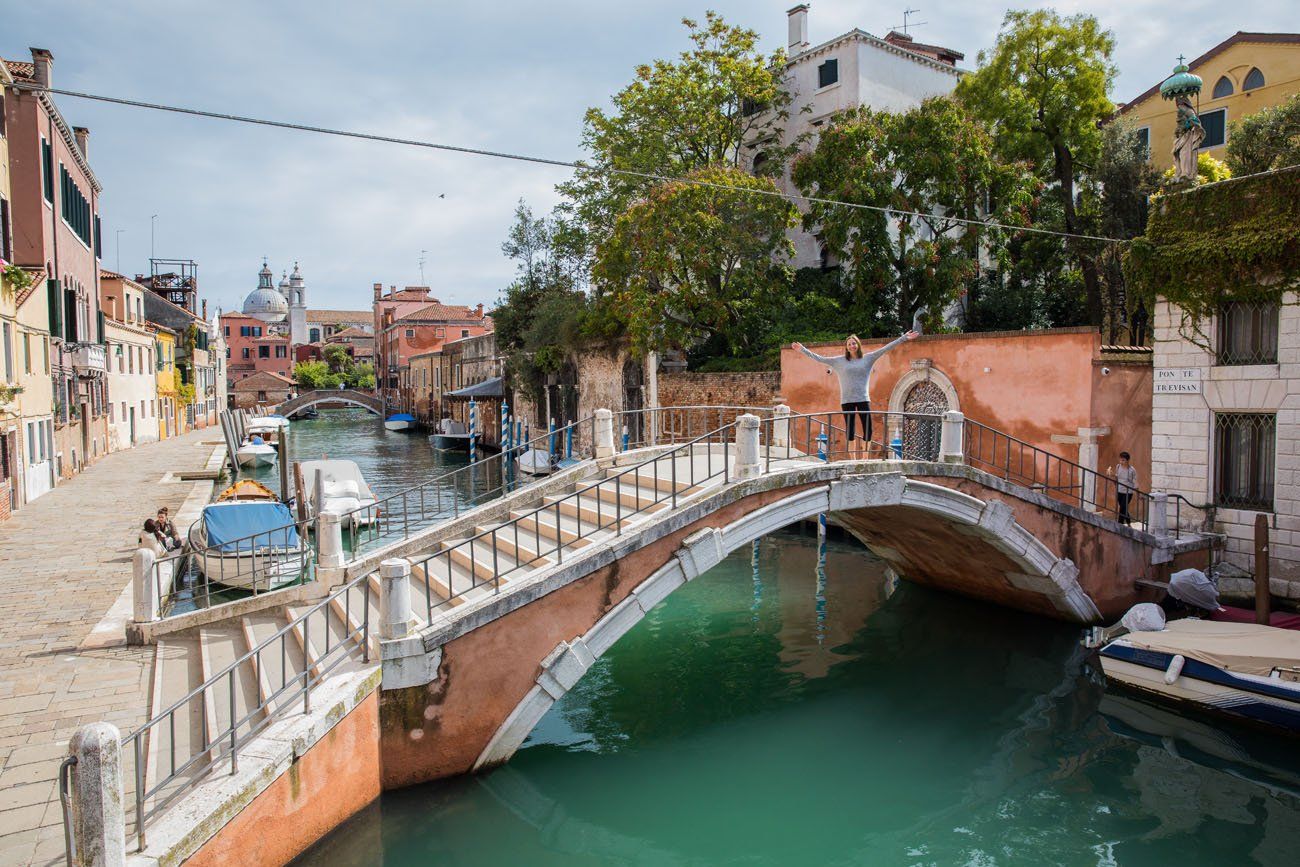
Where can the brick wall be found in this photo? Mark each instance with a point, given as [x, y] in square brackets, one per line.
[759, 389]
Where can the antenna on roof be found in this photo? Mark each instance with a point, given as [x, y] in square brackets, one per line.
[908, 13]
[422, 252]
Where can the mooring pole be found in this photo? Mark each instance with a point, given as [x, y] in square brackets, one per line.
[284, 465]
[1262, 599]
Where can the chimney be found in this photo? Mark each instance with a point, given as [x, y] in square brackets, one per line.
[82, 135]
[478, 310]
[205, 309]
[379, 290]
[798, 20]
[42, 65]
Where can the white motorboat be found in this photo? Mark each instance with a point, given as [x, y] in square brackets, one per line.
[344, 491]
[451, 436]
[1243, 671]
[271, 428]
[535, 462]
[401, 421]
[255, 453]
[248, 544]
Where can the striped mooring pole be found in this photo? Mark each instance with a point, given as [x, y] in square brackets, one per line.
[473, 430]
[505, 425]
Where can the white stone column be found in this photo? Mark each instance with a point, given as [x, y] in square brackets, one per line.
[98, 814]
[329, 541]
[144, 607]
[1088, 454]
[951, 437]
[746, 462]
[781, 425]
[604, 434]
[1158, 517]
[395, 598]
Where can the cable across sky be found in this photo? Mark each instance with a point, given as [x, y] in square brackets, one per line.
[527, 158]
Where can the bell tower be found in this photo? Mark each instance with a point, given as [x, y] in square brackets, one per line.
[297, 295]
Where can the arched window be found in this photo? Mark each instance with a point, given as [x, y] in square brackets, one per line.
[1222, 87]
[1254, 79]
[760, 160]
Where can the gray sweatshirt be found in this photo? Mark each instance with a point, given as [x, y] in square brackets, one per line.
[1127, 478]
[854, 373]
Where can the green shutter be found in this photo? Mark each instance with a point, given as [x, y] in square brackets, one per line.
[99, 324]
[54, 297]
[69, 316]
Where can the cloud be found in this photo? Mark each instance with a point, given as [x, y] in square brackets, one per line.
[510, 76]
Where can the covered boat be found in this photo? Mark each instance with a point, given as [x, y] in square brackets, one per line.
[344, 491]
[269, 427]
[535, 462]
[255, 453]
[251, 545]
[401, 421]
[1244, 671]
[451, 436]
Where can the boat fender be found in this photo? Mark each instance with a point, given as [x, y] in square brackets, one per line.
[1175, 668]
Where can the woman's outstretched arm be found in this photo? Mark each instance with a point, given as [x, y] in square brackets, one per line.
[911, 335]
[824, 359]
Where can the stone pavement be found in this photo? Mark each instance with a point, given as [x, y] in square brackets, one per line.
[64, 561]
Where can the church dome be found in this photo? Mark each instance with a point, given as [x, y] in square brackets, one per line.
[264, 302]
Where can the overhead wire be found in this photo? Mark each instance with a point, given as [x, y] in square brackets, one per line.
[528, 158]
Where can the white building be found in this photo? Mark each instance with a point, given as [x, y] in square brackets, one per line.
[853, 69]
[1224, 427]
[129, 347]
[296, 293]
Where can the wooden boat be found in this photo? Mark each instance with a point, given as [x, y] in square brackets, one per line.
[344, 491]
[255, 453]
[451, 436]
[247, 489]
[401, 421]
[1242, 671]
[248, 544]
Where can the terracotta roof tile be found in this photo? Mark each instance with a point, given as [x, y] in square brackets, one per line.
[441, 312]
[331, 317]
[20, 70]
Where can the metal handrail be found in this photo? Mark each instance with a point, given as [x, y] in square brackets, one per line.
[65, 800]
[270, 706]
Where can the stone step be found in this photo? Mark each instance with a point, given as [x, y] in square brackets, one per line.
[278, 667]
[223, 644]
[179, 735]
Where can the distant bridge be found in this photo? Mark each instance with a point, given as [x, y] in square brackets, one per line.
[363, 399]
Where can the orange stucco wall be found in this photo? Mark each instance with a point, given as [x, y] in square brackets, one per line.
[1029, 384]
[335, 778]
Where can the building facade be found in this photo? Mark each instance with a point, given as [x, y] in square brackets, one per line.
[164, 353]
[56, 201]
[852, 70]
[132, 380]
[1244, 73]
[263, 388]
[412, 322]
[253, 346]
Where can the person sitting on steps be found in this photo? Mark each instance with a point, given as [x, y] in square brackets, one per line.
[854, 371]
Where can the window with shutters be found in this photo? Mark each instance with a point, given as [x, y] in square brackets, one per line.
[828, 73]
[281, 352]
[47, 170]
[245, 353]
[1216, 127]
[75, 207]
[263, 352]
[6, 232]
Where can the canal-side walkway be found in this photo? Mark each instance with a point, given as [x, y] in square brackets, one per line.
[65, 561]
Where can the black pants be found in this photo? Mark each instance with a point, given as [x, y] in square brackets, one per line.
[853, 411]
[1123, 501]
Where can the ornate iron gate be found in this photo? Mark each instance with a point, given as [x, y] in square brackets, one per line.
[921, 435]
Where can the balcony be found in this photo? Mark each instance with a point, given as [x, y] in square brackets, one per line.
[89, 358]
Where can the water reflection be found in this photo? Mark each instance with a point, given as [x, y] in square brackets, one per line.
[804, 713]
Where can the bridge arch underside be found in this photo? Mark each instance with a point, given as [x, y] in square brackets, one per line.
[496, 680]
[302, 402]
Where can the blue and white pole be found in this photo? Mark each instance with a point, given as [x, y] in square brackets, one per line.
[568, 442]
[824, 454]
[473, 430]
[505, 425]
[626, 438]
[550, 442]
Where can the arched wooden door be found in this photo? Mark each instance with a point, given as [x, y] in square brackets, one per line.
[921, 435]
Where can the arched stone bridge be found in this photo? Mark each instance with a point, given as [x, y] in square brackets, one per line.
[512, 606]
[363, 399]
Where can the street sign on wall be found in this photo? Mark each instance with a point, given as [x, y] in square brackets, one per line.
[1177, 380]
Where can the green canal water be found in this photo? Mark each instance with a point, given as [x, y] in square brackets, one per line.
[789, 709]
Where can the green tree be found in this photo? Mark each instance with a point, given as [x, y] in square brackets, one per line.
[1267, 140]
[315, 374]
[337, 357]
[679, 116]
[1043, 91]
[926, 178]
[697, 259]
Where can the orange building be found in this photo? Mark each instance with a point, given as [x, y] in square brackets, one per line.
[412, 322]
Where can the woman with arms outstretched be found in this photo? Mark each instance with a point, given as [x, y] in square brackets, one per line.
[854, 371]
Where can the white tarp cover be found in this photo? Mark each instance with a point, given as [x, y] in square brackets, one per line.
[1191, 586]
[1243, 648]
[1144, 617]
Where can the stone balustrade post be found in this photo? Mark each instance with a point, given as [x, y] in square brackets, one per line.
[395, 598]
[1158, 517]
[952, 437]
[145, 601]
[98, 812]
[329, 541]
[604, 434]
[747, 463]
[781, 425]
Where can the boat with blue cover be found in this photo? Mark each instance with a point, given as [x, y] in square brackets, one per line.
[401, 421]
[248, 544]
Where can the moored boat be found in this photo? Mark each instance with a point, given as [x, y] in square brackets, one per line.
[255, 453]
[1243, 671]
[401, 421]
[247, 489]
[451, 436]
[344, 491]
[535, 462]
[250, 545]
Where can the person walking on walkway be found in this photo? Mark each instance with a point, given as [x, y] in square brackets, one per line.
[1126, 478]
[854, 371]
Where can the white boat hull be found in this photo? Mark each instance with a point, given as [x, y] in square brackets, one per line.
[399, 425]
[255, 457]
[259, 570]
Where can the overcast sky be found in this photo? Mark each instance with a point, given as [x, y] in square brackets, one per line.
[502, 75]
